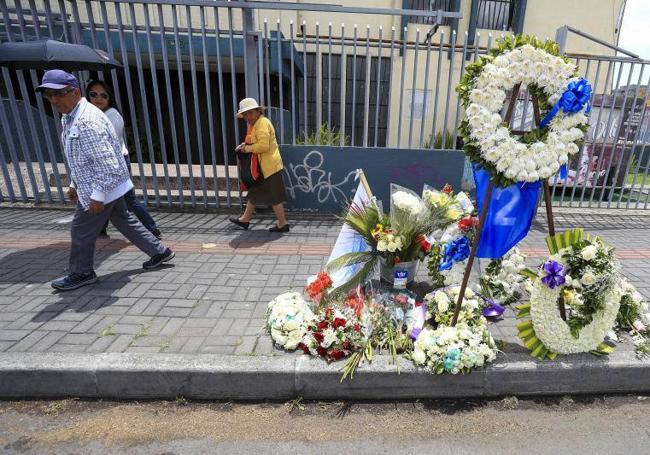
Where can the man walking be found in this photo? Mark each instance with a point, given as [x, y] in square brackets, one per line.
[99, 179]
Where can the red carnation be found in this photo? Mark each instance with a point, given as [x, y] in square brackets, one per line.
[321, 351]
[356, 327]
[425, 246]
[318, 336]
[447, 188]
[337, 354]
[467, 223]
[347, 345]
[304, 348]
[338, 322]
[322, 325]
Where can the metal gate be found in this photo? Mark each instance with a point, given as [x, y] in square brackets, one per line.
[187, 63]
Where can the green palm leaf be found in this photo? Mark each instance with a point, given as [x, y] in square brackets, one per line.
[348, 259]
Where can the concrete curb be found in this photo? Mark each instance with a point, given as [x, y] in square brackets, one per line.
[207, 376]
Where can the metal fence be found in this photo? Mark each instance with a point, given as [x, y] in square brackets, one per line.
[187, 63]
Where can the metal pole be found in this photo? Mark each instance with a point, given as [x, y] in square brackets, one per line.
[145, 110]
[210, 101]
[251, 69]
[154, 82]
[222, 113]
[472, 254]
[170, 105]
[195, 102]
[366, 107]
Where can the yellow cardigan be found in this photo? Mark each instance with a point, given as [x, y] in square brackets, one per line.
[263, 143]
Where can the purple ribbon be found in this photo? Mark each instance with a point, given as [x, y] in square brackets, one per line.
[555, 274]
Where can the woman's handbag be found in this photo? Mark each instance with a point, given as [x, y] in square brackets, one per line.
[250, 172]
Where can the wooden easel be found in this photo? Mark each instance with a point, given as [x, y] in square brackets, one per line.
[486, 203]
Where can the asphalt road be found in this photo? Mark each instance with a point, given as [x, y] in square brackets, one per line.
[563, 425]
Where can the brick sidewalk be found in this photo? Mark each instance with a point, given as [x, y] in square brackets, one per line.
[213, 298]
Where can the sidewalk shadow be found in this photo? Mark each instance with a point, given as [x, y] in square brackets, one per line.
[253, 239]
[81, 300]
[45, 263]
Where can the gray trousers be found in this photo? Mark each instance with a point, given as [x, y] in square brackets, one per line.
[86, 227]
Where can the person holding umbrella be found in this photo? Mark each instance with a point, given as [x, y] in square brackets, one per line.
[99, 180]
[100, 94]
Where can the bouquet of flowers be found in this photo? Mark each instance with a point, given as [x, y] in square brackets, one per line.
[400, 236]
[445, 207]
[333, 334]
[448, 257]
[318, 288]
[288, 316]
[633, 316]
[441, 303]
[502, 281]
[456, 349]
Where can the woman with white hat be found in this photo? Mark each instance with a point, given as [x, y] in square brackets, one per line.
[260, 139]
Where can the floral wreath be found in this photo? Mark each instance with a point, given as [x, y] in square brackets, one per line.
[582, 272]
[562, 97]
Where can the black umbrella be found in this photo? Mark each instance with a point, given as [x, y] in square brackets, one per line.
[51, 54]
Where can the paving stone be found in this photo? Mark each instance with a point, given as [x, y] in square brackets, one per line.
[194, 331]
[174, 312]
[247, 345]
[85, 339]
[172, 326]
[120, 343]
[27, 342]
[238, 327]
[13, 335]
[193, 344]
[101, 344]
[264, 346]
[223, 340]
[47, 341]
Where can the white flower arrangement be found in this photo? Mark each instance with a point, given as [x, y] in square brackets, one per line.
[408, 203]
[582, 274]
[440, 306]
[454, 350]
[288, 316]
[556, 333]
[502, 281]
[483, 90]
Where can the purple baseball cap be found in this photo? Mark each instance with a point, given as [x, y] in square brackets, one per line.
[57, 79]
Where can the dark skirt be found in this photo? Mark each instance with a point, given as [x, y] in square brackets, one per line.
[270, 191]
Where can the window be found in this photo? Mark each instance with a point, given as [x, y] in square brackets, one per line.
[355, 97]
[427, 5]
[496, 14]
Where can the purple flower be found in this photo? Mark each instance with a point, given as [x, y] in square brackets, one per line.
[554, 274]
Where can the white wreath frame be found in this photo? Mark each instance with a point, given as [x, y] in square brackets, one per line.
[512, 158]
[555, 333]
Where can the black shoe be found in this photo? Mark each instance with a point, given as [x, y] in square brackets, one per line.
[159, 259]
[157, 234]
[284, 228]
[74, 281]
[103, 234]
[242, 224]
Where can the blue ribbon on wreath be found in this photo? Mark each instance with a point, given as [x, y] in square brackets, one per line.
[573, 100]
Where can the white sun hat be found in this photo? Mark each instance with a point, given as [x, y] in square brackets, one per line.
[248, 104]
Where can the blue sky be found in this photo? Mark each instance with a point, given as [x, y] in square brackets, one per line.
[635, 30]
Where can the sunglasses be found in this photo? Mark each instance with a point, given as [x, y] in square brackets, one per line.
[49, 93]
[103, 95]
